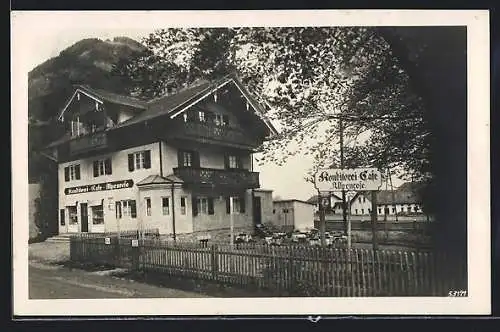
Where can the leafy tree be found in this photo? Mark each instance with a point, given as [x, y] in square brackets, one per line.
[307, 78]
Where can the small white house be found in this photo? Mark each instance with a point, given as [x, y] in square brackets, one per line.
[292, 214]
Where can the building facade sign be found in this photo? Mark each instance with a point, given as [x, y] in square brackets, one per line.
[356, 179]
[99, 187]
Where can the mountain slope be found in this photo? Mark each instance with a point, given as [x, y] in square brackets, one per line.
[88, 61]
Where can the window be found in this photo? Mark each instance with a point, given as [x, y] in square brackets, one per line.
[188, 158]
[97, 215]
[379, 210]
[139, 160]
[416, 208]
[356, 211]
[201, 116]
[359, 199]
[238, 204]
[102, 167]
[76, 126]
[274, 211]
[62, 215]
[362, 211]
[393, 210]
[147, 200]
[369, 211]
[233, 162]
[203, 205]
[126, 208]
[72, 172]
[364, 199]
[221, 120]
[72, 215]
[165, 205]
[183, 205]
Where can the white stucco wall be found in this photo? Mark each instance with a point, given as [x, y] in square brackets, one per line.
[300, 215]
[120, 172]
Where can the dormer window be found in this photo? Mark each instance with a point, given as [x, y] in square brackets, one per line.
[76, 126]
[221, 120]
[201, 116]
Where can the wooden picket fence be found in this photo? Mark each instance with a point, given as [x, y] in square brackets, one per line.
[287, 271]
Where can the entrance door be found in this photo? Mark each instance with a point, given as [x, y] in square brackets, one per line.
[257, 211]
[85, 217]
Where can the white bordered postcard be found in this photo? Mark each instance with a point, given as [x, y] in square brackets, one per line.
[274, 162]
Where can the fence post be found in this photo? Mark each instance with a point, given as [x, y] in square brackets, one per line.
[214, 262]
[291, 270]
[135, 256]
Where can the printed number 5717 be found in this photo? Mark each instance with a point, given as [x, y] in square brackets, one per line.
[457, 293]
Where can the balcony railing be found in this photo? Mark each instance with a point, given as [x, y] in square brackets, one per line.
[218, 177]
[211, 131]
[86, 143]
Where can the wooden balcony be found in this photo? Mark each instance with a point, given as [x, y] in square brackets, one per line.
[211, 133]
[242, 179]
[87, 143]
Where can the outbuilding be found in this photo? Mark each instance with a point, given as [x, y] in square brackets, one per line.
[292, 214]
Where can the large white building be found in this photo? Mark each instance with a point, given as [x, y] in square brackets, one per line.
[181, 163]
[403, 200]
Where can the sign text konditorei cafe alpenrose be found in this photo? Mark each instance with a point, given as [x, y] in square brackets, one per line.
[99, 187]
[357, 179]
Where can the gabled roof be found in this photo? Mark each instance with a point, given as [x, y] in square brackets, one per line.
[167, 104]
[177, 103]
[105, 96]
[291, 200]
[157, 179]
[171, 105]
[314, 199]
[115, 98]
[407, 193]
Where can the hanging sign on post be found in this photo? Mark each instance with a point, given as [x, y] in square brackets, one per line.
[355, 179]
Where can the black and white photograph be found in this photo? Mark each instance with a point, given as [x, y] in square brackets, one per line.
[328, 162]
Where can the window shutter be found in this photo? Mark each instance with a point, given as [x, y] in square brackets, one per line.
[107, 166]
[226, 161]
[242, 203]
[130, 162]
[118, 208]
[180, 158]
[195, 206]
[63, 214]
[96, 168]
[133, 209]
[239, 160]
[210, 205]
[77, 172]
[66, 174]
[147, 159]
[228, 205]
[196, 159]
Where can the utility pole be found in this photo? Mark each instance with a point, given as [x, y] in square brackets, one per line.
[341, 142]
[231, 219]
[322, 221]
[374, 219]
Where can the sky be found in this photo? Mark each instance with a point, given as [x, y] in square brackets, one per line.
[61, 31]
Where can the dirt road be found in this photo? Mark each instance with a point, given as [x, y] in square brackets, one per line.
[57, 282]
